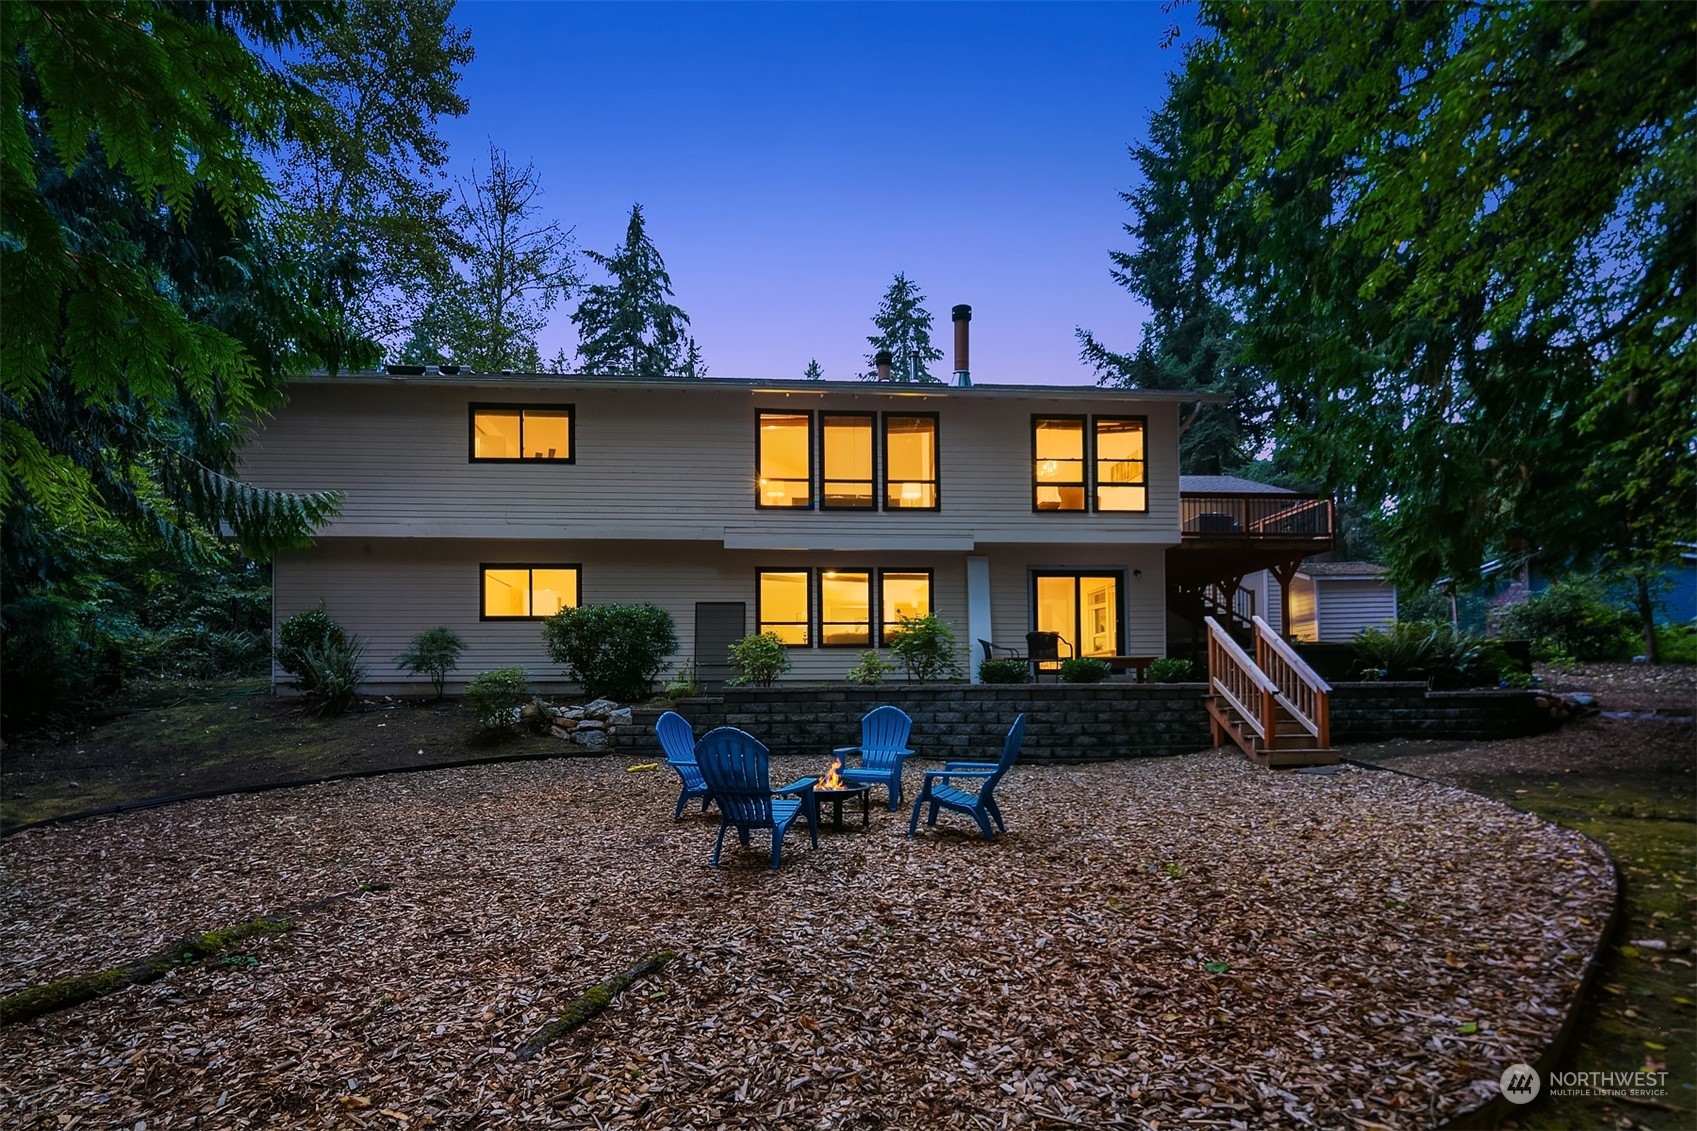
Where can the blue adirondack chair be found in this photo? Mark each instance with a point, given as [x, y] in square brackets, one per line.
[736, 768]
[940, 792]
[677, 739]
[882, 750]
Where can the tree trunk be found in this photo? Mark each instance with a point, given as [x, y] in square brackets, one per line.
[1646, 608]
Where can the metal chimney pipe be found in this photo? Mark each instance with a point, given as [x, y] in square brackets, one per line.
[962, 315]
[882, 360]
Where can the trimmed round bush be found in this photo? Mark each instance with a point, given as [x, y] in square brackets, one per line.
[612, 651]
[1084, 669]
[1004, 671]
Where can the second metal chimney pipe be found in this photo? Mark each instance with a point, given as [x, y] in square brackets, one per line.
[882, 361]
[962, 315]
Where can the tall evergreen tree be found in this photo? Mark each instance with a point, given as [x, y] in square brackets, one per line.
[1193, 341]
[813, 372]
[628, 326]
[513, 268]
[904, 328]
[361, 183]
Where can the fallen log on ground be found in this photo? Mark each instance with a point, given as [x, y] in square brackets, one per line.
[62, 993]
[591, 1002]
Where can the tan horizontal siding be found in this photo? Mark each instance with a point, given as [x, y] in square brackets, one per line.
[387, 590]
[674, 464]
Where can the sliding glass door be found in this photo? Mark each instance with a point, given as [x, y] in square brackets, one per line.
[1084, 608]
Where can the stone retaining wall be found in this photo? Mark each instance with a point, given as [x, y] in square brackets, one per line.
[1072, 722]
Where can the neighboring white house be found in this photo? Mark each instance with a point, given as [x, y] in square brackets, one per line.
[820, 510]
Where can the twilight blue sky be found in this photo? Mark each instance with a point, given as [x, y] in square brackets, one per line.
[791, 157]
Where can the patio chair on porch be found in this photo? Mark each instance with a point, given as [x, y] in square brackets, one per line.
[883, 748]
[736, 767]
[940, 792]
[1045, 648]
[677, 739]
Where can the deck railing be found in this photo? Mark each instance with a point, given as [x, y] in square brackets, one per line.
[1250, 515]
[1301, 691]
[1234, 677]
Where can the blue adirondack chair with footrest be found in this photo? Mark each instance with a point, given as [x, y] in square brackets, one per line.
[677, 739]
[736, 767]
[882, 750]
[979, 802]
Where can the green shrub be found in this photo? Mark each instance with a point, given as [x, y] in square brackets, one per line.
[434, 652]
[1676, 643]
[612, 651]
[325, 661]
[495, 698]
[1084, 669]
[759, 659]
[1004, 671]
[1171, 669]
[871, 670]
[1429, 650]
[926, 648]
[1574, 617]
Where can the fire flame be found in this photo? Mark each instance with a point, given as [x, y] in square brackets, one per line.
[832, 779]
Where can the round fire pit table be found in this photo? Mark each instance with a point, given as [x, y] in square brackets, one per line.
[836, 797]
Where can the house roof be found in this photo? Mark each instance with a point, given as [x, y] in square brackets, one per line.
[1343, 569]
[1227, 485]
[564, 381]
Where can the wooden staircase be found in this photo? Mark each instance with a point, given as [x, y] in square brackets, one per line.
[1274, 707]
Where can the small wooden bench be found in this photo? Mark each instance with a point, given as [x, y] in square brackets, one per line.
[1138, 664]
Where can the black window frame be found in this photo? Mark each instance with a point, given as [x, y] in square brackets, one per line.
[483, 569]
[936, 480]
[873, 605]
[1118, 573]
[808, 601]
[472, 409]
[1095, 461]
[883, 628]
[872, 484]
[1085, 452]
[812, 429]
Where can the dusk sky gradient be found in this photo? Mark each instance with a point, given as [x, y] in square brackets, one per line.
[791, 158]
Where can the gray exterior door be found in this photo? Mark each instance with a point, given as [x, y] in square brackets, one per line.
[718, 625]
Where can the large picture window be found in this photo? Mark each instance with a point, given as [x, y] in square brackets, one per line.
[848, 460]
[910, 462]
[511, 433]
[1057, 456]
[905, 593]
[1119, 464]
[529, 592]
[845, 607]
[784, 459]
[782, 605]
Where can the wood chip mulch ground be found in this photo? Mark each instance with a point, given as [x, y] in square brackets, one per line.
[1178, 942]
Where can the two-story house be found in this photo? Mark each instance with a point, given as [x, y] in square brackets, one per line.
[822, 511]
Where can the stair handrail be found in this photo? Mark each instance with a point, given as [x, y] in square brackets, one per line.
[1301, 691]
[1235, 677]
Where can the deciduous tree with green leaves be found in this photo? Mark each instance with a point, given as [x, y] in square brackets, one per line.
[904, 329]
[1462, 238]
[512, 268]
[363, 181]
[629, 326]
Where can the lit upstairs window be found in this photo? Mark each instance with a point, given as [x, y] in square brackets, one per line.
[784, 459]
[848, 460]
[1057, 472]
[1120, 465]
[910, 462]
[507, 433]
